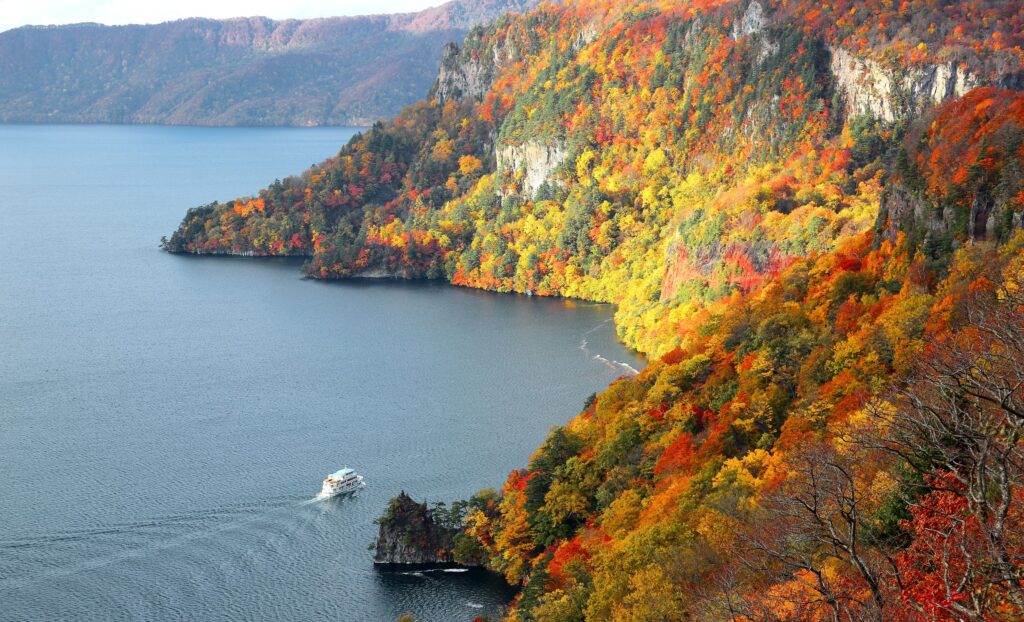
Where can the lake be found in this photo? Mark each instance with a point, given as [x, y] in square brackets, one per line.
[166, 420]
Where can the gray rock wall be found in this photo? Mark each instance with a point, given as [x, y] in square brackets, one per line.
[867, 87]
[530, 163]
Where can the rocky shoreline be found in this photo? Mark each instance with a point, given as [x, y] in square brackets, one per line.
[413, 535]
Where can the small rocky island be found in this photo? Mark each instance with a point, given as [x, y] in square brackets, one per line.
[413, 534]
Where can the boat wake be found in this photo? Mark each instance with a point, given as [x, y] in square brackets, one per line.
[155, 536]
[324, 497]
[609, 363]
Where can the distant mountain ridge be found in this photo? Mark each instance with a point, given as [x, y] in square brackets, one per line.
[240, 71]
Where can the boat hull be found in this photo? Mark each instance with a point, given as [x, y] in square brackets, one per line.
[334, 489]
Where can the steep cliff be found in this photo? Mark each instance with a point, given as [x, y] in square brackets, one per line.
[469, 70]
[524, 168]
[897, 93]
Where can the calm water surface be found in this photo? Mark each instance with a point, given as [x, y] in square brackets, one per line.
[165, 420]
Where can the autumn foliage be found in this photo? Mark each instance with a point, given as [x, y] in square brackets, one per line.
[829, 427]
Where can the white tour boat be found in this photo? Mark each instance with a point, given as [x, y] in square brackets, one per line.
[340, 482]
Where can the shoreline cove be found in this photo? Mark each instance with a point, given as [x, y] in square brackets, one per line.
[237, 386]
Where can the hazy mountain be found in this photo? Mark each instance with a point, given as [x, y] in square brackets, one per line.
[242, 71]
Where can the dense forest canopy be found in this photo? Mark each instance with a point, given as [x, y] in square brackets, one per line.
[809, 216]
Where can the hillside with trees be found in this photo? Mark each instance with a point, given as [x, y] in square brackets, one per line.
[243, 71]
[809, 217]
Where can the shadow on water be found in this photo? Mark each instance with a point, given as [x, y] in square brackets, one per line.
[298, 262]
[396, 582]
[293, 262]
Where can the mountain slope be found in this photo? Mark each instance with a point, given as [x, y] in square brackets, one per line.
[244, 71]
[810, 219]
[654, 161]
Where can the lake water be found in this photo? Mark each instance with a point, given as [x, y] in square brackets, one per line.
[165, 420]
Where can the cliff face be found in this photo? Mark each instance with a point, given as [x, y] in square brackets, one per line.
[470, 69]
[462, 74]
[527, 166]
[891, 94]
[410, 534]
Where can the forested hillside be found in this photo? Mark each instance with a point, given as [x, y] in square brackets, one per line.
[809, 217]
[245, 71]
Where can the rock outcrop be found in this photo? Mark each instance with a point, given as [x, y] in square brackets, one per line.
[529, 164]
[468, 72]
[752, 22]
[410, 535]
[457, 78]
[869, 88]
